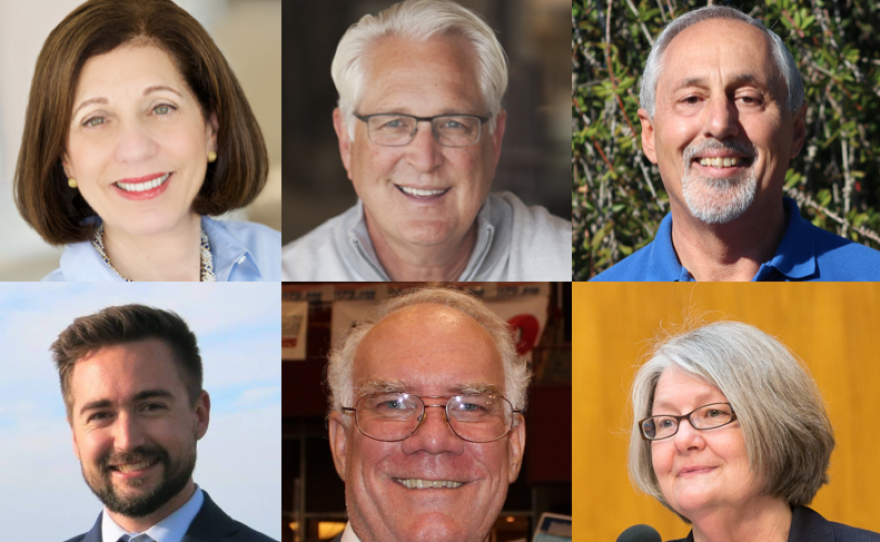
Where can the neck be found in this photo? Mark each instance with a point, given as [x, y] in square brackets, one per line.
[171, 256]
[418, 263]
[767, 519]
[728, 252]
[141, 524]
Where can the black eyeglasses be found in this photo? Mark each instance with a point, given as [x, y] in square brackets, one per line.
[395, 130]
[392, 417]
[706, 417]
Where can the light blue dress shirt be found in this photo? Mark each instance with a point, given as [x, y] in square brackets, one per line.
[806, 253]
[242, 251]
[170, 529]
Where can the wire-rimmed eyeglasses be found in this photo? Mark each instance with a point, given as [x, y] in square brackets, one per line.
[397, 130]
[392, 417]
[709, 416]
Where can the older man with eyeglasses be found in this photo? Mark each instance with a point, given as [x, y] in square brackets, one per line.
[420, 126]
[426, 424]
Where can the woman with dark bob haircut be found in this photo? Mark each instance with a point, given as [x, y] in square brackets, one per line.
[730, 433]
[136, 131]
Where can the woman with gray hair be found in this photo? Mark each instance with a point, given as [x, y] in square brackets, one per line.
[731, 434]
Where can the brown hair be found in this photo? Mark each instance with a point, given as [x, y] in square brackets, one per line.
[126, 324]
[97, 27]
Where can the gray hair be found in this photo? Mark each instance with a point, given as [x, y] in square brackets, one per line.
[417, 20]
[785, 63]
[340, 365]
[786, 430]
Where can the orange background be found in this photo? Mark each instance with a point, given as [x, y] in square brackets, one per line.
[833, 328]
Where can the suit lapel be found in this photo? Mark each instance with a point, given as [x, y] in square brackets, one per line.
[809, 526]
[94, 535]
[210, 524]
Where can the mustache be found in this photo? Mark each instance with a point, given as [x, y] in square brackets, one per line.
[734, 145]
[139, 454]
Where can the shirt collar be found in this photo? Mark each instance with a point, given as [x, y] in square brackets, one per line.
[81, 262]
[360, 241]
[348, 534]
[228, 251]
[171, 529]
[795, 257]
[664, 261]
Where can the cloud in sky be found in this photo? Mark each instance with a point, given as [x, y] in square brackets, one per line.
[42, 494]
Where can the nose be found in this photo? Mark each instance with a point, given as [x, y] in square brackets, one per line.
[127, 435]
[434, 435]
[722, 119]
[687, 438]
[423, 152]
[135, 142]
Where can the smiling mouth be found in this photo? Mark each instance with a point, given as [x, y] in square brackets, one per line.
[143, 187]
[418, 483]
[722, 162]
[134, 467]
[701, 470]
[419, 193]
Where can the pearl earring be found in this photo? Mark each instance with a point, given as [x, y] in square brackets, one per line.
[212, 156]
[71, 182]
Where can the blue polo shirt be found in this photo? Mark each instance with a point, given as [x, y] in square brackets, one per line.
[806, 253]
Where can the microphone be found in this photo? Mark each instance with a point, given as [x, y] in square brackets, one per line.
[640, 533]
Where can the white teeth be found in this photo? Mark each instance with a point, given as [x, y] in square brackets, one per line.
[417, 483]
[140, 187]
[719, 162]
[421, 193]
[131, 467]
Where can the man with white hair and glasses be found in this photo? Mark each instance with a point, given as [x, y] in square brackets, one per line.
[722, 116]
[420, 125]
[426, 419]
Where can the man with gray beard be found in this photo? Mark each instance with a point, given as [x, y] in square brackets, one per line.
[722, 116]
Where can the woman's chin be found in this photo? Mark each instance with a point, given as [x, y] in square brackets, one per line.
[149, 226]
[692, 500]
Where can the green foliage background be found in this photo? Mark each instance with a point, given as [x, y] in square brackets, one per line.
[618, 198]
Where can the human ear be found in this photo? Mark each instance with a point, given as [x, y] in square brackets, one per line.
[498, 134]
[203, 414]
[648, 136]
[336, 430]
[516, 442]
[799, 131]
[212, 126]
[344, 141]
[65, 165]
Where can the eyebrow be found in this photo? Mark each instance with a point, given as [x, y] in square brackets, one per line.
[104, 101]
[702, 81]
[140, 396]
[698, 400]
[473, 389]
[385, 386]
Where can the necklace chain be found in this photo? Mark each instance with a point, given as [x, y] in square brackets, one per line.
[207, 259]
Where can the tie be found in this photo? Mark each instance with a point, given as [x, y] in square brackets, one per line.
[137, 538]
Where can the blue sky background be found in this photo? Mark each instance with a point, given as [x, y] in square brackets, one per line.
[42, 494]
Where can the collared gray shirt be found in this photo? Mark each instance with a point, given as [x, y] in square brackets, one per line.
[514, 243]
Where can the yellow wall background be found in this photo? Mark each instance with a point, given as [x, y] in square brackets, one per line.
[833, 328]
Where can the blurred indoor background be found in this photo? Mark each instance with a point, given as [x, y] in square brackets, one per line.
[314, 315]
[536, 153]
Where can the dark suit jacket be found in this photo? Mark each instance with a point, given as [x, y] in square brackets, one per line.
[338, 538]
[209, 525]
[809, 526]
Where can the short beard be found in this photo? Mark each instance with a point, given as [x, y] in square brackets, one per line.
[718, 201]
[175, 476]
